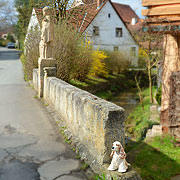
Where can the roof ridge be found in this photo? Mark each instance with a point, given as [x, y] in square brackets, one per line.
[122, 4]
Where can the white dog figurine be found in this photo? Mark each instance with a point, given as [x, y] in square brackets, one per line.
[118, 158]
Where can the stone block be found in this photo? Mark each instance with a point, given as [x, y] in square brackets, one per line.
[157, 130]
[42, 63]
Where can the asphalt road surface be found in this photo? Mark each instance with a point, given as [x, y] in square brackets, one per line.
[30, 147]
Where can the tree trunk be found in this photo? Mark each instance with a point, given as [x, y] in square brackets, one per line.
[150, 84]
[140, 93]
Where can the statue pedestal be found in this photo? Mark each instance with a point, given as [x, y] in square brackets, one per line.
[42, 63]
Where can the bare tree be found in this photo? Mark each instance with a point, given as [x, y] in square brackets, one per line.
[141, 98]
[151, 44]
[7, 13]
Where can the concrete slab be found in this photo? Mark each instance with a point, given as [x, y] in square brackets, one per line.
[19, 171]
[16, 140]
[54, 169]
[3, 154]
[44, 151]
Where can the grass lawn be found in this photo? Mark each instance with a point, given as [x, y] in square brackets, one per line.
[156, 159]
[139, 120]
[110, 87]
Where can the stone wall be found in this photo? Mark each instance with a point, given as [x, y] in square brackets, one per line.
[95, 122]
[174, 110]
[35, 79]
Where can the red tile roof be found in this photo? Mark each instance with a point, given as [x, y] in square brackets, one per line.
[125, 12]
[39, 15]
[91, 11]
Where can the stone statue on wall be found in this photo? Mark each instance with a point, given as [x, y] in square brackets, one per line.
[47, 35]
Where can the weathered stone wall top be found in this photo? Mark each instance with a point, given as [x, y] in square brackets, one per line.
[96, 122]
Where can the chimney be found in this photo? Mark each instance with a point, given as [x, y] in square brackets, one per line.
[133, 21]
[99, 2]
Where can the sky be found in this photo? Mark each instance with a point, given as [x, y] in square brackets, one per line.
[135, 5]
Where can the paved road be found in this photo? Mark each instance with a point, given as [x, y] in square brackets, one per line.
[30, 148]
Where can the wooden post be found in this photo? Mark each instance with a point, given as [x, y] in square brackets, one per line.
[164, 16]
[171, 64]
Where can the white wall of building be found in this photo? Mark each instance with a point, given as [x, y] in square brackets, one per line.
[33, 23]
[107, 32]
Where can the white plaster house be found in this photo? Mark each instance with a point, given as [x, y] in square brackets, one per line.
[108, 25]
[35, 21]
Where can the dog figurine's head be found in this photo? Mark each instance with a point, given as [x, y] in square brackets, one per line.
[116, 146]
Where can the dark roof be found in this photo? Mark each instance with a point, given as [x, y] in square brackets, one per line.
[39, 15]
[91, 11]
[126, 12]
[137, 27]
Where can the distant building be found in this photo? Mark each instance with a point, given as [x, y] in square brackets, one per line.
[7, 31]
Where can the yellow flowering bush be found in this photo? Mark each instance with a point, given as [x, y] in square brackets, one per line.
[142, 55]
[98, 67]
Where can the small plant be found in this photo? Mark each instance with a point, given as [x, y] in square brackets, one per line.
[98, 177]
[62, 131]
[68, 140]
[158, 95]
[63, 127]
[78, 156]
[84, 166]
[36, 97]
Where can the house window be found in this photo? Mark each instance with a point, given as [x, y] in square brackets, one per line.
[96, 30]
[133, 51]
[115, 48]
[109, 15]
[118, 32]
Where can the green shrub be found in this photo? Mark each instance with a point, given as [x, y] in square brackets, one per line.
[3, 42]
[141, 62]
[158, 95]
[31, 53]
[73, 54]
[142, 55]
[11, 38]
[117, 62]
